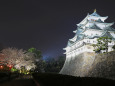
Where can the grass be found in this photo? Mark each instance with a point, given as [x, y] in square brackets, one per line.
[48, 79]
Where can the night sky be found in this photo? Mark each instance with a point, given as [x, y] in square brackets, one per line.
[46, 25]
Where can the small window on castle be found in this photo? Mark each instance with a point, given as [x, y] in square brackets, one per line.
[88, 41]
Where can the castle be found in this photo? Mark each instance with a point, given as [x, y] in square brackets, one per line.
[88, 30]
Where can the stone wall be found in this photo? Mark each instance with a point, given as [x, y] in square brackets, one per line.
[79, 65]
[91, 65]
[103, 66]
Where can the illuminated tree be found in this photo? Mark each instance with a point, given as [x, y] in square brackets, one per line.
[2, 59]
[38, 59]
[19, 58]
[13, 55]
[102, 44]
[28, 61]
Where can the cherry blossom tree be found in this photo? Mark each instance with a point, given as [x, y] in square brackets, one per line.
[19, 58]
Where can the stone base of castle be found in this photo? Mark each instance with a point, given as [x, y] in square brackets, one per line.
[78, 65]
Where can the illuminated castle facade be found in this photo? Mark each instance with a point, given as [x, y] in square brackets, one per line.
[79, 50]
[88, 30]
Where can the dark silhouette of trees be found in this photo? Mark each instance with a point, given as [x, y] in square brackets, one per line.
[54, 65]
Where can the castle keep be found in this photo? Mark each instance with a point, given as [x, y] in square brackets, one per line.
[79, 49]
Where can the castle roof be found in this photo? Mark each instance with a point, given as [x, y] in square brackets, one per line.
[109, 29]
[71, 41]
[83, 21]
[95, 14]
[106, 33]
[94, 26]
[92, 22]
[79, 37]
[79, 30]
[99, 20]
[104, 25]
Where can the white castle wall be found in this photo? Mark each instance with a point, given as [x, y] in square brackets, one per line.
[84, 46]
[113, 34]
[79, 48]
[92, 32]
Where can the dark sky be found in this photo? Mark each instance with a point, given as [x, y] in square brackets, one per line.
[46, 25]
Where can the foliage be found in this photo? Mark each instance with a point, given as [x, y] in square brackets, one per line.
[4, 68]
[54, 65]
[18, 58]
[14, 70]
[102, 44]
[24, 70]
[113, 47]
[38, 59]
[36, 52]
[40, 66]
